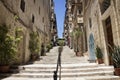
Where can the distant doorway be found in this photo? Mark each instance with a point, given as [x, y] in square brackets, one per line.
[92, 56]
[109, 38]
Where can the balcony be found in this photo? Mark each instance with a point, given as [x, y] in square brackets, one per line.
[80, 20]
[105, 5]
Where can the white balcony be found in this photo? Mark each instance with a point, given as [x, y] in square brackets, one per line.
[80, 20]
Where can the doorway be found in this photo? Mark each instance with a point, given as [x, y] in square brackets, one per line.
[109, 38]
[92, 56]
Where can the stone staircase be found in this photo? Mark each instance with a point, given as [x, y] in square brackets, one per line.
[85, 71]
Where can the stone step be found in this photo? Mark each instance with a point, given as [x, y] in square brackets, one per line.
[65, 70]
[71, 78]
[64, 66]
[69, 72]
[49, 75]
[88, 69]
[103, 78]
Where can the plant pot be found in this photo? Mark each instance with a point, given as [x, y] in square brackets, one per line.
[4, 69]
[34, 57]
[117, 71]
[100, 61]
[78, 54]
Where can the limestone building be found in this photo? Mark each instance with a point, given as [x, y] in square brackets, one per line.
[30, 15]
[74, 22]
[53, 24]
[102, 22]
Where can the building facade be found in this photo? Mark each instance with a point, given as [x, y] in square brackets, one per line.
[99, 22]
[31, 16]
[102, 23]
[53, 25]
[74, 31]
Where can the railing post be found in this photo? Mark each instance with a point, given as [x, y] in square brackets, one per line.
[60, 69]
[60, 51]
[58, 64]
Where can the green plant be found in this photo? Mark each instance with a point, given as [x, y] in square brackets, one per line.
[8, 46]
[18, 37]
[49, 46]
[61, 42]
[116, 56]
[99, 53]
[77, 33]
[34, 43]
[16, 17]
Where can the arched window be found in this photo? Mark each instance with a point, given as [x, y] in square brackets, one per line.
[22, 5]
[90, 22]
[33, 19]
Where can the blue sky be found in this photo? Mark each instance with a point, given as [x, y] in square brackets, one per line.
[60, 13]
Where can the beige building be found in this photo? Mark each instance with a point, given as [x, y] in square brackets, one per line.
[102, 22]
[53, 24]
[31, 15]
[73, 22]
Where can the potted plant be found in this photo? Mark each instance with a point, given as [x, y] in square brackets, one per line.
[99, 55]
[61, 42]
[116, 60]
[34, 45]
[8, 49]
[48, 47]
[77, 33]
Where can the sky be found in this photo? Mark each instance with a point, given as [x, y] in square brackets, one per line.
[60, 13]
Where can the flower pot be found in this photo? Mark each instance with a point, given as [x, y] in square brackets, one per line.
[78, 54]
[4, 69]
[33, 57]
[117, 71]
[100, 61]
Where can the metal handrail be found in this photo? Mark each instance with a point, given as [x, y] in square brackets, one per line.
[58, 64]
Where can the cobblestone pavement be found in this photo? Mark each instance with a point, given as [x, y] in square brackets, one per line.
[68, 56]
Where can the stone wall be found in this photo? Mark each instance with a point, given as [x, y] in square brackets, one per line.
[35, 17]
[93, 12]
[8, 18]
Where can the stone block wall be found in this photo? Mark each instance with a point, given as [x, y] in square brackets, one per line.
[35, 17]
[93, 12]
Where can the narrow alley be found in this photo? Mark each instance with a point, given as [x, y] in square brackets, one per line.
[59, 39]
[73, 68]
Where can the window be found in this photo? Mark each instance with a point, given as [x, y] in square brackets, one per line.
[22, 5]
[105, 5]
[39, 10]
[33, 18]
[43, 19]
[90, 22]
[79, 12]
[34, 1]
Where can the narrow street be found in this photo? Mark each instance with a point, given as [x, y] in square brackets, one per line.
[68, 56]
[33, 32]
[73, 68]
